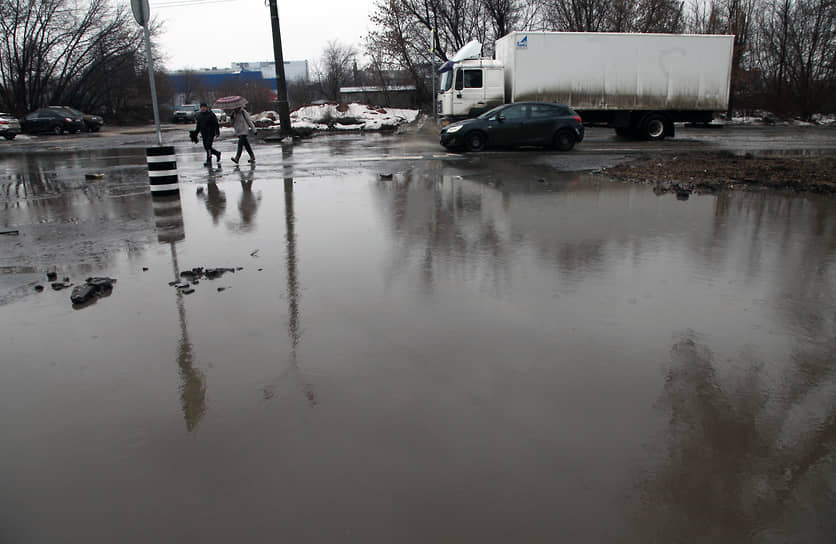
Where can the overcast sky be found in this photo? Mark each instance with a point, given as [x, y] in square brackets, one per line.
[207, 33]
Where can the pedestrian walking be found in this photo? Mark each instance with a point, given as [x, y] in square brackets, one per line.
[243, 126]
[207, 125]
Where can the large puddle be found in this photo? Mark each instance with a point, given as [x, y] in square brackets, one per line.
[466, 352]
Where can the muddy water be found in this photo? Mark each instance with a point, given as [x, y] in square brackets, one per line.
[464, 353]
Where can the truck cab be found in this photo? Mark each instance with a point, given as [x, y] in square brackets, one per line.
[470, 88]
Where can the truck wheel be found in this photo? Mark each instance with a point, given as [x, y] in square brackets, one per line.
[475, 141]
[564, 141]
[653, 127]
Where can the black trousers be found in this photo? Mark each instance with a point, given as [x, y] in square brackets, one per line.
[244, 143]
[207, 145]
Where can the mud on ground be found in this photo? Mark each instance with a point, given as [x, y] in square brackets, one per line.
[706, 172]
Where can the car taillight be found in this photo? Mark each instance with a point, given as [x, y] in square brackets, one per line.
[578, 119]
[67, 119]
[2, 122]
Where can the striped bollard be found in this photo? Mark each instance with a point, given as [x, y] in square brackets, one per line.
[162, 170]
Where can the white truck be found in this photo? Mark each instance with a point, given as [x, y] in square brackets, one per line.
[639, 84]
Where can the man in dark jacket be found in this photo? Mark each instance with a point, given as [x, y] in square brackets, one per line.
[207, 125]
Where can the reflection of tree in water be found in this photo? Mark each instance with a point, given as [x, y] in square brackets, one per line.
[739, 459]
[445, 227]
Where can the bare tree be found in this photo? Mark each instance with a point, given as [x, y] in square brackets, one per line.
[797, 54]
[335, 68]
[49, 47]
[579, 15]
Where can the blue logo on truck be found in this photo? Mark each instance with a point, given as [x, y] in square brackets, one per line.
[523, 43]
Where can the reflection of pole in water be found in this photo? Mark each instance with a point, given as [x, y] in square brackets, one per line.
[168, 218]
[293, 287]
[192, 382]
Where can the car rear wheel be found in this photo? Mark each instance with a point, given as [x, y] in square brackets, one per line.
[57, 130]
[95, 128]
[564, 141]
[9, 136]
[475, 141]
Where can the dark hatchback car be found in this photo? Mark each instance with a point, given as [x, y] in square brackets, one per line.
[523, 124]
[92, 123]
[51, 120]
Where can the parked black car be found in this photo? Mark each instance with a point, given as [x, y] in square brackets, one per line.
[517, 125]
[185, 113]
[51, 120]
[92, 123]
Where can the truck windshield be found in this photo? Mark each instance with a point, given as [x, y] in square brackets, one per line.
[446, 81]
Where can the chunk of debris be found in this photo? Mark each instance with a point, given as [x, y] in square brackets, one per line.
[51, 276]
[94, 176]
[92, 289]
[9, 232]
[188, 291]
[82, 293]
[386, 175]
[39, 288]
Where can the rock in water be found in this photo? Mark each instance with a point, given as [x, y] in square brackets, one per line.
[82, 293]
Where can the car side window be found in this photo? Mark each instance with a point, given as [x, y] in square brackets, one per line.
[514, 113]
[542, 111]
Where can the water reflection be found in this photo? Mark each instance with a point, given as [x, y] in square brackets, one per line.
[738, 460]
[46, 197]
[294, 329]
[215, 201]
[192, 380]
[248, 203]
[168, 216]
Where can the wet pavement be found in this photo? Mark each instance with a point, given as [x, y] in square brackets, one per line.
[483, 348]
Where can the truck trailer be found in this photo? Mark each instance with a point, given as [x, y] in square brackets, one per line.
[638, 84]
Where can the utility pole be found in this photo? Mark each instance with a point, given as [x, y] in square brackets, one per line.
[281, 84]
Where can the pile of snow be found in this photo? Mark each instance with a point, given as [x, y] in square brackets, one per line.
[761, 117]
[340, 117]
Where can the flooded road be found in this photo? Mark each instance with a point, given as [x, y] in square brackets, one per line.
[486, 348]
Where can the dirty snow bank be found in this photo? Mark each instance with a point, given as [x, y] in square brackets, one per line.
[340, 117]
[761, 117]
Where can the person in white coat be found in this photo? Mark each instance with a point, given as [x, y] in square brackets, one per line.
[243, 125]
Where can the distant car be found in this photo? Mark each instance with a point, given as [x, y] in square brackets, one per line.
[221, 115]
[51, 120]
[9, 126]
[542, 124]
[185, 113]
[92, 123]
